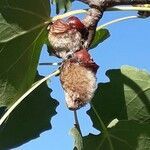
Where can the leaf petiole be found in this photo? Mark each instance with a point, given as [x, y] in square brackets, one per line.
[116, 21]
[115, 8]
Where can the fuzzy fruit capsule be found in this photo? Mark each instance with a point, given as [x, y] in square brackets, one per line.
[64, 39]
[78, 79]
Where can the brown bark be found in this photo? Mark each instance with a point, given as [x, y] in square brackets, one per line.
[95, 13]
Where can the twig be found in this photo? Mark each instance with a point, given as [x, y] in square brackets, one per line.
[35, 85]
[50, 64]
[127, 8]
[110, 3]
[116, 21]
[85, 11]
[76, 124]
[96, 10]
[74, 12]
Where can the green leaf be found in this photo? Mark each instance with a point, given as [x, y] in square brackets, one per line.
[22, 17]
[78, 143]
[125, 97]
[29, 119]
[22, 34]
[126, 135]
[62, 4]
[100, 36]
[28, 92]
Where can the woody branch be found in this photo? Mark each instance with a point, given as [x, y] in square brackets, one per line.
[109, 3]
[96, 10]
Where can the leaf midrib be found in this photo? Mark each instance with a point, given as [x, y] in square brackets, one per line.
[103, 127]
[137, 94]
[22, 54]
[25, 32]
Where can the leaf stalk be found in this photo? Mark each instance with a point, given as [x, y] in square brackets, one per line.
[115, 8]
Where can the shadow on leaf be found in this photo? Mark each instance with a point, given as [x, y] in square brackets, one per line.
[126, 135]
[29, 119]
[125, 97]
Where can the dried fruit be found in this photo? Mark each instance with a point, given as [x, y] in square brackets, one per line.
[75, 23]
[66, 37]
[78, 78]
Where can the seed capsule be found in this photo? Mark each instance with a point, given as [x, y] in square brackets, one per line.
[78, 80]
[66, 37]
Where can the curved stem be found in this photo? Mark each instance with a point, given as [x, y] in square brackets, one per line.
[74, 12]
[50, 64]
[35, 85]
[116, 21]
[76, 124]
[128, 8]
[115, 8]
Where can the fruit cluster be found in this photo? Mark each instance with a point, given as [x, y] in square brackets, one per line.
[78, 71]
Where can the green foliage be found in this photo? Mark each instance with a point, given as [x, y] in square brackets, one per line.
[22, 34]
[22, 17]
[62, 4]
[78, 143]
[126, 97]
[29, 119]
[126, 135]
[100, 36]
[128, 101]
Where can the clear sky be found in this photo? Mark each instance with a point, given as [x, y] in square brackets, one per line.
[129, 44]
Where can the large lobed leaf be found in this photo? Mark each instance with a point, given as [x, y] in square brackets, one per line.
[29, 119]
[126, 135]
[20, 17]
[22, 34]
[78, 142]
[127, 98]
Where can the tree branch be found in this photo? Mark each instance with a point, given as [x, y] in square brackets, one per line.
[90, 21]
[110, 3]
[96, 10]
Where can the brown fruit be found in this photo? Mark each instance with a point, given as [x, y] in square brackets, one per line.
[75, 23]
[83, 55]
[78, 81]
[64, 39]
[85, 60]
[59, 26]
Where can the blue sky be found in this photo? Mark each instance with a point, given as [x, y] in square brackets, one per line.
[129, 44]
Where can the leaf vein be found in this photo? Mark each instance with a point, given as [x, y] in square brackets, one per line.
[21, 55]
[137, 94]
